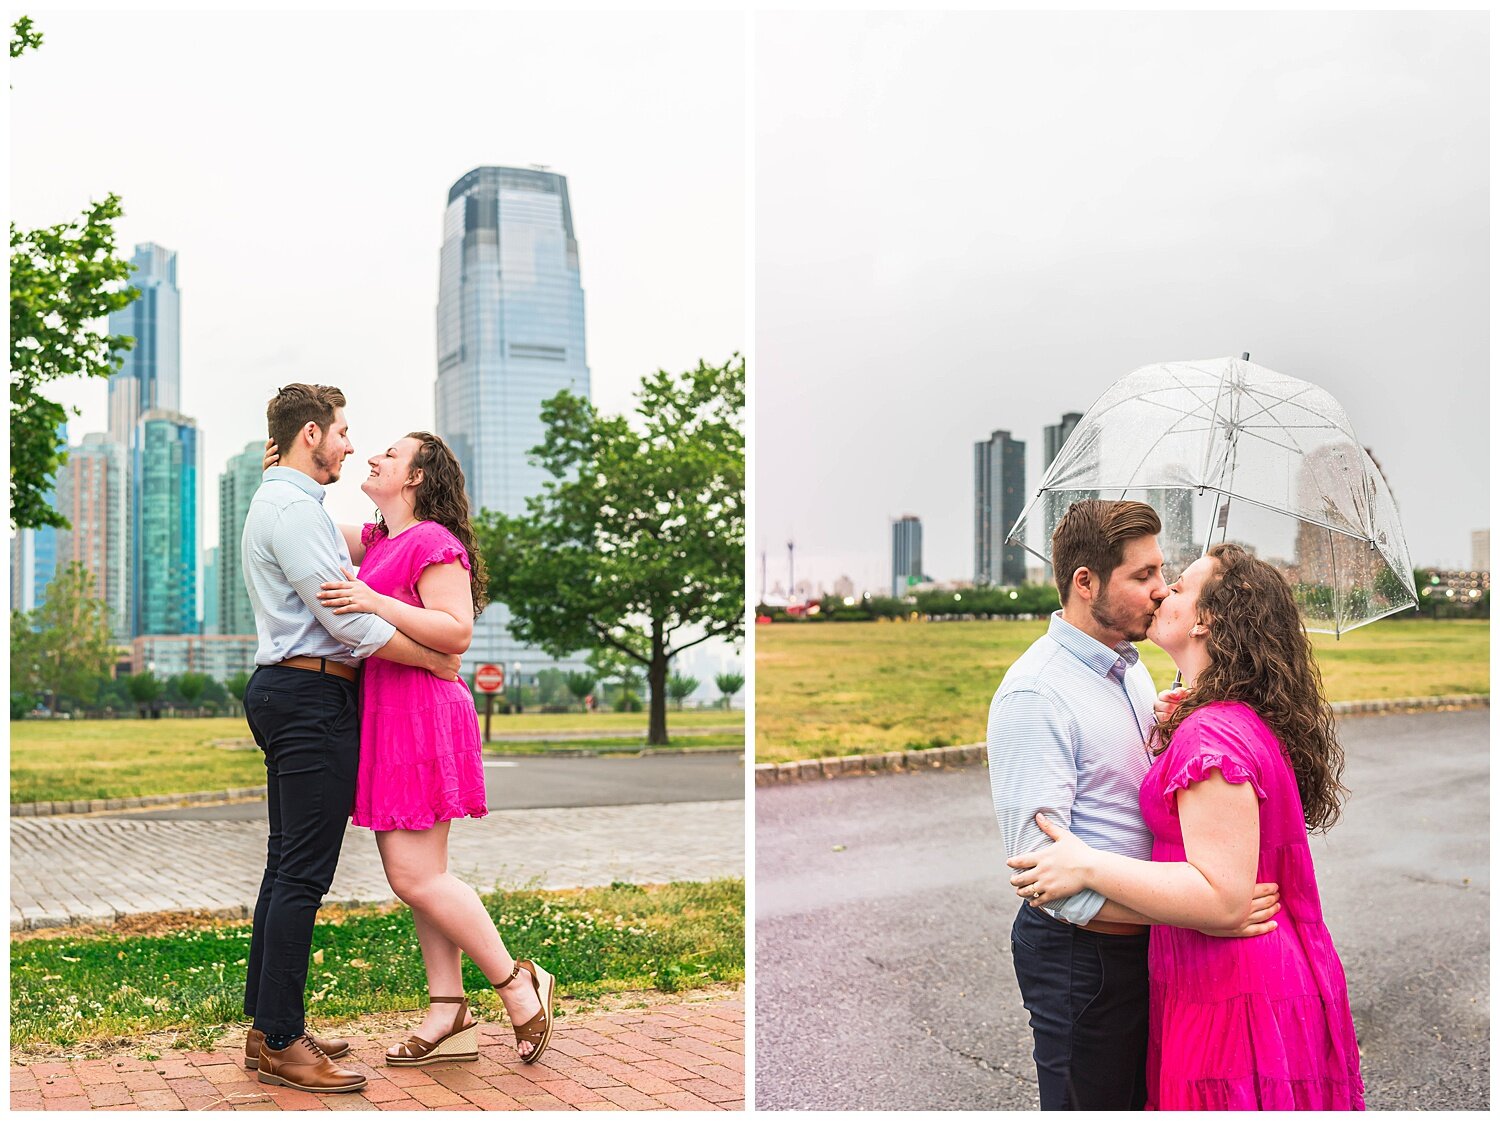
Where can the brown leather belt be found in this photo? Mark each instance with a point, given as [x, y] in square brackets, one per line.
[321, 665]
[1103, 926]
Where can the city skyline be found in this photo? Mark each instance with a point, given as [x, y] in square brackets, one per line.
[1321, 202]
[280, 284]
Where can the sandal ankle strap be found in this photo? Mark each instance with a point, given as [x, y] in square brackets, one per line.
[514, 973]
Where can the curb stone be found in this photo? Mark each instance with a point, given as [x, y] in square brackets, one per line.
[101, 805]
[934, 758]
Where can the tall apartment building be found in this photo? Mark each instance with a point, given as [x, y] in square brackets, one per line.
[906, 553]
[237, 486]
[510, 335]
[92, 494]
[1054, 436]
[999, 499]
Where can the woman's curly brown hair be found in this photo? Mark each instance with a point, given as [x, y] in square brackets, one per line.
[441, 497]
[1261, 657]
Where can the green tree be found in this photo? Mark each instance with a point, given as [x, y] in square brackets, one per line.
[581, 685]
[236, 684]
[680, 688]
[24, 37]
[25, 672]
[551, 687]
[215, 696]
[145, 689]
[729, 684]
[191, 687]
[63, 279]
[64, 645]
[637, 542]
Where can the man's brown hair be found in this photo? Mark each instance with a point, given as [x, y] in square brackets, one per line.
[296, 404]
[1092, 535]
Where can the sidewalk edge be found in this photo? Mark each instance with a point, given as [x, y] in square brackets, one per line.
[934, 758]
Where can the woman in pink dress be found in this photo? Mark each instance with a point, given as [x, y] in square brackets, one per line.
[419, 762]
[1244, 766]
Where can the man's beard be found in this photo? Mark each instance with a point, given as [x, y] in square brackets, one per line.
[1108, 620]
[327, 460]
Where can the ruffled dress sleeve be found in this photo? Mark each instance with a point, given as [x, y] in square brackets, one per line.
[367, 534]
[438, 546]
[1217, 737]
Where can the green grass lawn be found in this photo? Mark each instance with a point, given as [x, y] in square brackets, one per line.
[846, 688]
[63, 760]
[623, 938]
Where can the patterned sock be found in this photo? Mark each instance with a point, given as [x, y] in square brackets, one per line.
[280, 1042]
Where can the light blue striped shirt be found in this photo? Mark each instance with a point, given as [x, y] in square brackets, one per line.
[1067, 737]
[289, 547]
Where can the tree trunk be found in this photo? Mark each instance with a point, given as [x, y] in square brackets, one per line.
[656, 680]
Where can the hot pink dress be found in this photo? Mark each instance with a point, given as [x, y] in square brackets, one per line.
[419, 757]
[1246, 1023]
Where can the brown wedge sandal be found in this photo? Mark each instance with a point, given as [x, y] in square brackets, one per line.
[460, 1045]
[536, 1031]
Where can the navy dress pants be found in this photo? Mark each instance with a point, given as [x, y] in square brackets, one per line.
[1087, 994]
[307, 724]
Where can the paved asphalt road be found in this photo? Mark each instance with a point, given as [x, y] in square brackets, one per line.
[883, 977]
[524, 782]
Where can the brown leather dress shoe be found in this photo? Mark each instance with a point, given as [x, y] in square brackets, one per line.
[302, 1066]
[333, 1048]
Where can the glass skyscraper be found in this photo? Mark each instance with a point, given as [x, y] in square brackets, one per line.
[509, 336]
[150, 377]
[166, 474]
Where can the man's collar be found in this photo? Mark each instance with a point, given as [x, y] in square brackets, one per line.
[299, 479]
[1089, 650]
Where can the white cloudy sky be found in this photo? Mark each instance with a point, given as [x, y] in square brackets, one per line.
[975, 221]
[300, 164]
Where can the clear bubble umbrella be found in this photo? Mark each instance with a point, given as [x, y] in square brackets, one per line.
[1226, 450]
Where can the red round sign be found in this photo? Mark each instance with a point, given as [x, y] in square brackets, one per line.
[489, 679]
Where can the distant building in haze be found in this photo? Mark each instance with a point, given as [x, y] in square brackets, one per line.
[237, 486]
[210, 595]
[999, 498]
[92, 494]
[906, 553]
[1480, 541]
[1054, 436]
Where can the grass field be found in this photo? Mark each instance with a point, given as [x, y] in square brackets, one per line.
[56, 760]
[846, 688]
[596, 941]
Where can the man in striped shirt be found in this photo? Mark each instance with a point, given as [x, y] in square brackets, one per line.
[302, 704]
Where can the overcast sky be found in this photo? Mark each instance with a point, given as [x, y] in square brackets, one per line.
[300, 165]
[978, 221]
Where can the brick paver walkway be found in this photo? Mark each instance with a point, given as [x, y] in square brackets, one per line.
[94, 870]
[673, 1056]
